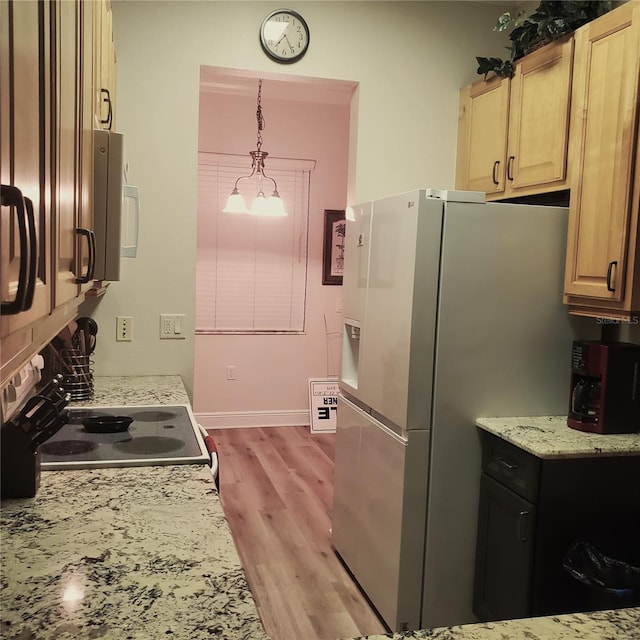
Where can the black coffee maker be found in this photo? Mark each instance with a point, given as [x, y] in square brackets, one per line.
[605, 387]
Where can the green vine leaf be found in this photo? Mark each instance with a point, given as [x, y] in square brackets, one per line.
[551, 20]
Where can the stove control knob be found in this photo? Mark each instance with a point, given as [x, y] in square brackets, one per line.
[10, 393]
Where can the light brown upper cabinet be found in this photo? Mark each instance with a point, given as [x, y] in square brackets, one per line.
[104, 66]
[512, 133]
[602, 274]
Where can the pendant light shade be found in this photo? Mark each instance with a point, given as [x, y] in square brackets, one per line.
[262, 205]
[235, 203]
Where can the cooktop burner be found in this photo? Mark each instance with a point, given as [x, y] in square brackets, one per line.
[67, 447]
[157, 435]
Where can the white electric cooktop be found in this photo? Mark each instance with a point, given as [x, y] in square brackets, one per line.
[158, 435]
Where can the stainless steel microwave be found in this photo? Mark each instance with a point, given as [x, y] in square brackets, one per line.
[116, 206]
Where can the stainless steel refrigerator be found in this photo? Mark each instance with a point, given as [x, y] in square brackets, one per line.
[452, 310]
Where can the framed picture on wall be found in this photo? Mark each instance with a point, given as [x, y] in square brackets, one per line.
[333, 246]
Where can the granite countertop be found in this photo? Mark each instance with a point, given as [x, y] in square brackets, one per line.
[621, 624]
[146, 552]
[136, 390]
[550, 437]
[127, 553]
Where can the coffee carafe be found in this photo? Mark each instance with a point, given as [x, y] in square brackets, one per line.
[605, 387]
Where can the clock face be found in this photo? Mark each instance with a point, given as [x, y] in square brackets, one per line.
[284, 36]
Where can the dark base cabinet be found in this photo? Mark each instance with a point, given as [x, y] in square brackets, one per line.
[531, 511]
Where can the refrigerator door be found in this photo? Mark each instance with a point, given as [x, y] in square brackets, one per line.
[379, 511]
[397, 338]
[354, 291]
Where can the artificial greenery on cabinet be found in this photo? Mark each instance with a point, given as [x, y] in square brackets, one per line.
[551, 20]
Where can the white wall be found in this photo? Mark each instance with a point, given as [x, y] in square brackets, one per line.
[409, 58]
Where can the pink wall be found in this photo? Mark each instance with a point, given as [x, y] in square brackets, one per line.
[272, 372]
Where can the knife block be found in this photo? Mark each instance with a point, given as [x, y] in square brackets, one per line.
[20, 470]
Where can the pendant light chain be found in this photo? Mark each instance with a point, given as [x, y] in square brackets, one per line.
[262, 205]
[259, 116]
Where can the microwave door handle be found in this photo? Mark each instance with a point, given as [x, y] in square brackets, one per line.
[12, 197]
[91, 243]
[132, 195]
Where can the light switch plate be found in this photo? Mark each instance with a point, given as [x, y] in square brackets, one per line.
[172, 326]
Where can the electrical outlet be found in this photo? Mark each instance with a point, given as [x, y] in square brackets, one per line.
[231, 372]
[172, 326]
[124, 328]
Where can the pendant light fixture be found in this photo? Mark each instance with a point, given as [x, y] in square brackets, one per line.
[262, 205]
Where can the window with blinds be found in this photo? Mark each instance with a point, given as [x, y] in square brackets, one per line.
[251, 272]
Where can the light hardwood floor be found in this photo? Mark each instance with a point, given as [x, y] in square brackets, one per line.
[276, 488]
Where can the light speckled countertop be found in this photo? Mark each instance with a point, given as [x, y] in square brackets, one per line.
[124, 554]
[123, 390]
[145, 553]
[550, 437]
[622, 624]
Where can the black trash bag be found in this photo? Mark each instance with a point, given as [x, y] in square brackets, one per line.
[608, 565]
[588, 564]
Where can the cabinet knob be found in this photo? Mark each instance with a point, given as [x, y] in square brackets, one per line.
[510, 167]
[494, 174]
[523, 517]
[91, 243]
[11, 196]
[507, 465]
[107, 99]
[609, 274]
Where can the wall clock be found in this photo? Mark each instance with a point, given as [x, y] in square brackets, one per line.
[284, 36]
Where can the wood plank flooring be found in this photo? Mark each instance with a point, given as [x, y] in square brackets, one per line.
[276, 488]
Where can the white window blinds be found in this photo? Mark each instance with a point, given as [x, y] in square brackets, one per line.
[251, 272]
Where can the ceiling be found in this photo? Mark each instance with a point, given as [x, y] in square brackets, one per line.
[285, 87]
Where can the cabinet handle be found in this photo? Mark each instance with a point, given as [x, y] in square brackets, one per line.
[33, 253]
[522, 521]
[609, 272]
[109, 119]
[494, 176]
[507, 465]
[510, 167]
[91, 243]
[12, 197]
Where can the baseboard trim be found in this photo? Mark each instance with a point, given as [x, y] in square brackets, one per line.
[244, 419]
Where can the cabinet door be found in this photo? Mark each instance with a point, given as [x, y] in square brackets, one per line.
[86, 246]
[68, 148]
[504, 553]
[602, 140]
[482, 136]
[104, 66]
[539, 117]
[24, 119]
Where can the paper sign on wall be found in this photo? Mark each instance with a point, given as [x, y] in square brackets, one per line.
[323, 404]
